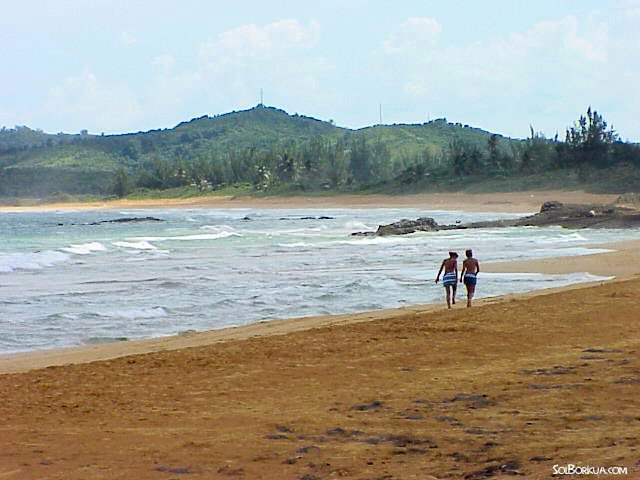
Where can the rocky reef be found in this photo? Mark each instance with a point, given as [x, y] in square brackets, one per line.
[620, 214]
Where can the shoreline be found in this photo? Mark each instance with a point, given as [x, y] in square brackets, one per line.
[507, 388]
[608, 264]
[505, 202]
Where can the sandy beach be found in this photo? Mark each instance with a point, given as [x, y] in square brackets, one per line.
[516, 384]
[510, 202]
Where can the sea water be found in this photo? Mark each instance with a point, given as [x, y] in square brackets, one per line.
[66, 279]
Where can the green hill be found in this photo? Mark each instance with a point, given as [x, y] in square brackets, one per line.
[270, 150]
[38, 164]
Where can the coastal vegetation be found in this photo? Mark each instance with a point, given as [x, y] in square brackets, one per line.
[266, 151]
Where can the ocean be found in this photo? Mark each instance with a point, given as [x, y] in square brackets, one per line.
[66, 279]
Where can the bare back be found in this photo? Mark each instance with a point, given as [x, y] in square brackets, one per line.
[450, 265]
[471, 265]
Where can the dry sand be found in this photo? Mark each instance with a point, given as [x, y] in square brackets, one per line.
[517, 383]
[517, 202]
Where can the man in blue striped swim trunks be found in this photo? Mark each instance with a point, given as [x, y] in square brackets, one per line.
[469, 275]
[450, 277]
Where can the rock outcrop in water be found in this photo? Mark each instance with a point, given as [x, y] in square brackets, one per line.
[120, 220]
[129, 220]
[423, 224]
[552, 213]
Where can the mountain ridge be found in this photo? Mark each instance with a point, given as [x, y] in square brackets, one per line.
[48, 163]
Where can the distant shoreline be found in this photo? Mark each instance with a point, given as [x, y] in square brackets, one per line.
[509, 202]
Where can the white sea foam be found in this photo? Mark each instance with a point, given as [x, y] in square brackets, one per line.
[134, 313]
[141, 245]
[356, 226]
[201, 236]
[85, 248]
[298, 245]
[219, 228]
[570, 238]
[374, 240]
[10, 262]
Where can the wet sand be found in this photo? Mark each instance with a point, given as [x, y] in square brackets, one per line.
[516, 384]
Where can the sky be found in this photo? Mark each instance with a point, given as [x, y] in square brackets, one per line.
[112, 66]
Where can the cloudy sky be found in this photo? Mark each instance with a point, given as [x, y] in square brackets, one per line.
[119, 66]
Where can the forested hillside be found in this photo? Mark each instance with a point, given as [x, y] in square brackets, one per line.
[268, 150]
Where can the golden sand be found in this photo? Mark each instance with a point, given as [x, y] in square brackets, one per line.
[517, 202]
[515, 384]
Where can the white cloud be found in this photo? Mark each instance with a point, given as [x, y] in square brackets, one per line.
[278, 57]
[229, 72]
[631, 8]
[553, 61]
[128, 38]
[93, 105]
[414, 33]
[248, 43]
[564, 35]
[166, 61]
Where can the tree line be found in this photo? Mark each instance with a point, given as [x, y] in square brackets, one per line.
[355, 162]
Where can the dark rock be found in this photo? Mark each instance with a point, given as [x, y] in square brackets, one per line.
[550, 206]
[368, 406]
[227, 470]
[459, 457]
[601, 350]
[474, 401]
[594, 418]
[552, 213]
[557, 370]
[372, 440]
[540, 459]
[128, 220]
[627, 380]
[544, 387]
[179, 470]
[406, 440]
[307, 449]
[476, 431]
[451, 420]
[176, 470]
[423, 224]
[275, 437]
[582, 216]
[419, 451]
[403, 227]
[509, 468]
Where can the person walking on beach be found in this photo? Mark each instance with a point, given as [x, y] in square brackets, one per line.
[450, 277]
[469, 275]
